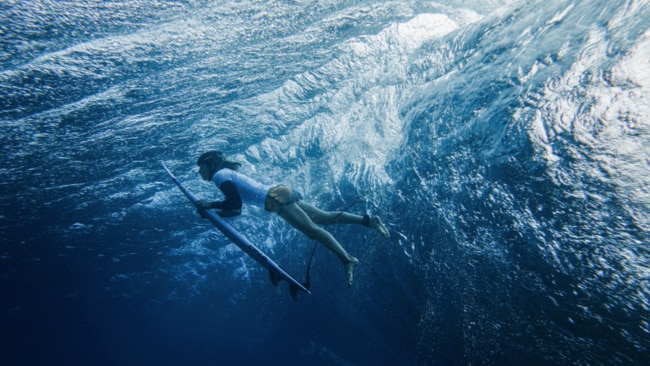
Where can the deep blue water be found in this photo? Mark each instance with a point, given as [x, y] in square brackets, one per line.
[506, 144]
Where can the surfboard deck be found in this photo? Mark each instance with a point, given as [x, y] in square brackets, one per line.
[276, 273]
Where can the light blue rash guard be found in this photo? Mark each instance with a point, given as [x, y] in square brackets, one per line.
[250, 191]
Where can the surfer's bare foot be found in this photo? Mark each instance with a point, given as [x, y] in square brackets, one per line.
[375, 223]
[349, 269]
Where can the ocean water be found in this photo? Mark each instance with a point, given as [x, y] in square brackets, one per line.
[506, 145]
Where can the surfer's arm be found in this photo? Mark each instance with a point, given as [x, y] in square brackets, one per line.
[231, 206]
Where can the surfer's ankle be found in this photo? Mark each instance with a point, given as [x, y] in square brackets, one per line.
[375, 223]
[350, 265]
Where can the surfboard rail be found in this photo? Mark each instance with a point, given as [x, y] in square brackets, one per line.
[276, 273]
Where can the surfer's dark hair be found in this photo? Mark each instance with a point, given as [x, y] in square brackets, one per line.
[216, 161]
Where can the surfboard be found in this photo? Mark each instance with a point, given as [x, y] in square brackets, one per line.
[276, 273]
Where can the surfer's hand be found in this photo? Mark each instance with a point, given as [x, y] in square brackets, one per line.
[203, 204]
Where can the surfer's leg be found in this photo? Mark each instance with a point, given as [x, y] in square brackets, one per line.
[341, 217]
[329, 217]
[299, 219]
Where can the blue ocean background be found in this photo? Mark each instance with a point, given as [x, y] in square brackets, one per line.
[506, 145]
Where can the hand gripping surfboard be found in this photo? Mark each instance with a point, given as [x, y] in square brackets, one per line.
[276, 273]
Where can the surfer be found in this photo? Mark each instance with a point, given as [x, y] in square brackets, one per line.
[238, 188]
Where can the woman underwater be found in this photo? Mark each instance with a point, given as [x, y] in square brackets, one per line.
[239, 188]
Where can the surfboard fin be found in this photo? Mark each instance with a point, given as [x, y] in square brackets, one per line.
[294, 291]
[275, 278]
